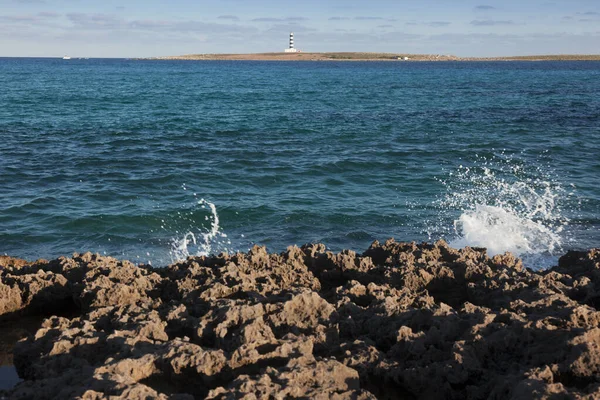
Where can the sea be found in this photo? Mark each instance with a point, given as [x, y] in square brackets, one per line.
[155, 161]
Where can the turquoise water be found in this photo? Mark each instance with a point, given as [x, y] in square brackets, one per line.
[127, 157]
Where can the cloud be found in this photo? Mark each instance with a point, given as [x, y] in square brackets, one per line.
[39, 18]
[401, 36]
[96, 21]
[468, 38]
[350, 40]
[197, 27]
[484, 8]
[433, 24]
[588, 16]
[489, 22]
[439, 23]
[270, 19]
[286, 28]
[112, 23]
[266, 19]
[18, 18]
[339, 18]
[149, 24]
[229, 17]
[48, 14]
[477, 44]
[385, 26]
[368, 18]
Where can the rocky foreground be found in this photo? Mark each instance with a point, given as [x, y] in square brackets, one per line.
[400, 321]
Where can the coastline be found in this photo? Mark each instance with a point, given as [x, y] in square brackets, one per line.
[400, 320]
[363, 56]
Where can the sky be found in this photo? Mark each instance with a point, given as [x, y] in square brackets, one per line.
[148, 28]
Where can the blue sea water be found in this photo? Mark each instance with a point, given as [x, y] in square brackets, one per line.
[155, 160]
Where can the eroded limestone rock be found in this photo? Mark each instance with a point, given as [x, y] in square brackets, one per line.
[402, 320]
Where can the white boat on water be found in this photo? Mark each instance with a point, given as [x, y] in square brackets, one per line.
[66, 58]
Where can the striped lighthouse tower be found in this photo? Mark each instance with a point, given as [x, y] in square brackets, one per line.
[291, 49]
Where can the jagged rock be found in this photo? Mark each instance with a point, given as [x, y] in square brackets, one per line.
[10, 298]
[401, 320]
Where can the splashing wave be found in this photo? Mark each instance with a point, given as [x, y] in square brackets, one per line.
[212, 240]
[506, 205]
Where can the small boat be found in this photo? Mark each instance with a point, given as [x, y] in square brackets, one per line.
[66, 58]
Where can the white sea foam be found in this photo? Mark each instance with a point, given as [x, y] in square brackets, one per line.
[505, 205]
[501, 230]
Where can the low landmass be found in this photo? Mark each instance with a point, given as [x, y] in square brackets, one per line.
[356, 56]
[399, 321]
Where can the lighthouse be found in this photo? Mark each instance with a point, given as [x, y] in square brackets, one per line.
[291, 49]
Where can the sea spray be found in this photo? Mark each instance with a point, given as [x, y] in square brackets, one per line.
[197, 240]
[503, 204]
[501, 230]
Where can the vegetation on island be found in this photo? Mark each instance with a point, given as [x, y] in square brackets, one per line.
[366, 56]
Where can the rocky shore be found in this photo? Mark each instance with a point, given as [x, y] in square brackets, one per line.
[400, 321]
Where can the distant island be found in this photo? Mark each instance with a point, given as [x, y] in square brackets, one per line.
[357, 56]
